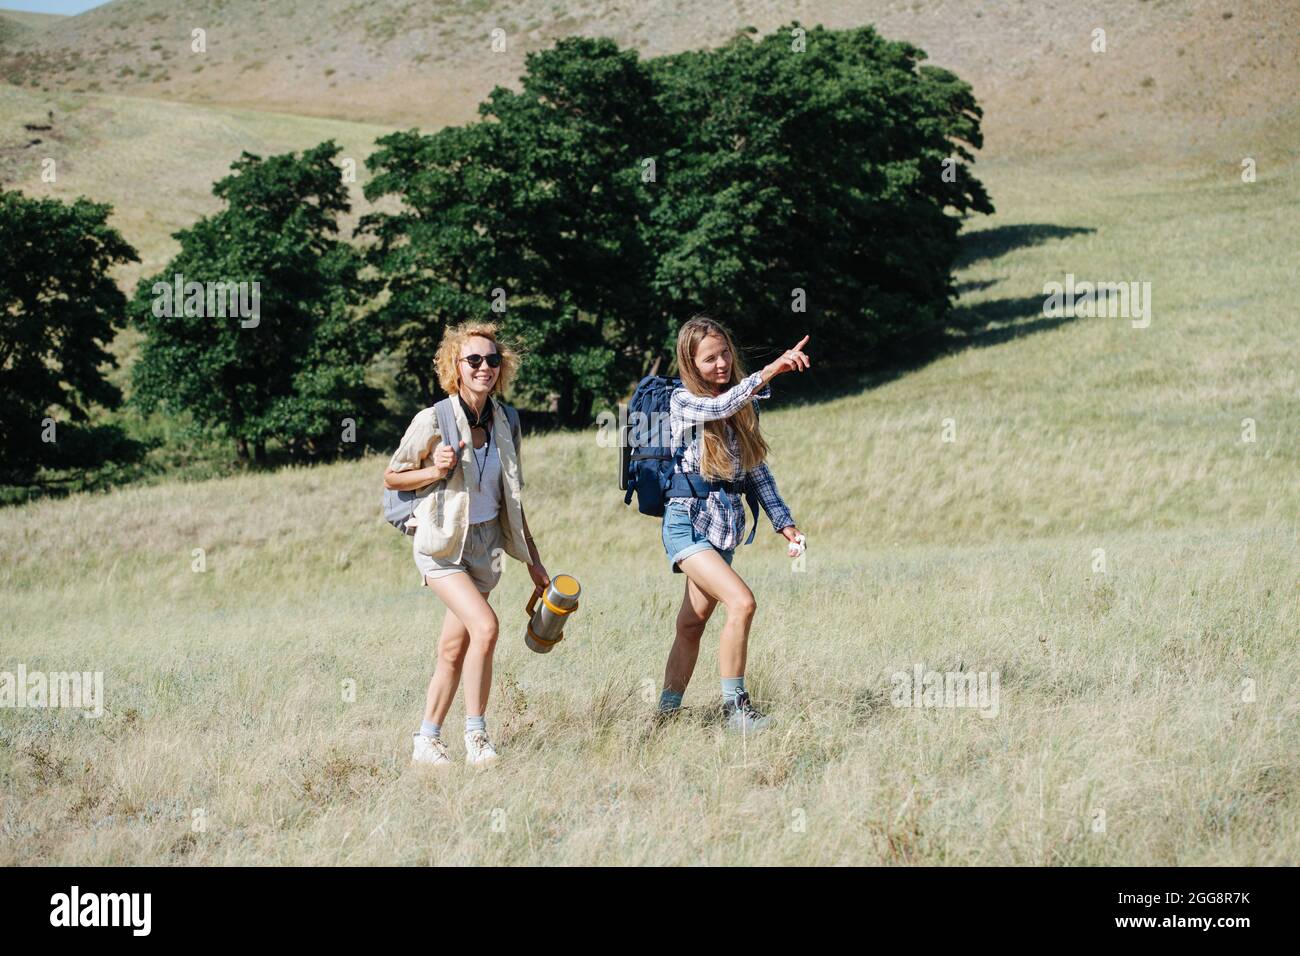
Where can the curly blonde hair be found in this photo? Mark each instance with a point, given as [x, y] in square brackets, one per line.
[447, 362]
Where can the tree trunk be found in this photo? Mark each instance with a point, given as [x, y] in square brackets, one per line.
[565, 403]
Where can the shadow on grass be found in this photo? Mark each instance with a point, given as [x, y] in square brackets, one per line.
[978, 325]
[972, 325]
[998, 241]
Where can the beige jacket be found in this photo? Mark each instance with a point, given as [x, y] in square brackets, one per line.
[441, 519]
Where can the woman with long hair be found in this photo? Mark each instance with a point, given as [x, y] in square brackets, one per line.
[458, 547]
[714, 415]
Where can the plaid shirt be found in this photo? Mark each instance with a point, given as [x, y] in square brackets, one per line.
[721, 516]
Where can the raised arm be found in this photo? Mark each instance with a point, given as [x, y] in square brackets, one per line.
[707, 408]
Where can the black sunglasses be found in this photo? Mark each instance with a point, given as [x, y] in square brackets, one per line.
[475, 360]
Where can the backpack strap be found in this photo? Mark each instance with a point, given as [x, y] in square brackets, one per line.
[690, 433]
[516, 436]
[447, 422]
[512, 416]
[752, 497]
[678, 454]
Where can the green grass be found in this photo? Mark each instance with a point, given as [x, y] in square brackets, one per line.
[1123, 692]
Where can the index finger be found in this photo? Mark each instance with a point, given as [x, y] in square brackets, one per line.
[802, 342]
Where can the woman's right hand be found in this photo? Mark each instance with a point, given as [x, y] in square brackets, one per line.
[445, 458]
[791, 361]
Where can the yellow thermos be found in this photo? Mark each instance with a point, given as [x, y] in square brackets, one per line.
[546, 623]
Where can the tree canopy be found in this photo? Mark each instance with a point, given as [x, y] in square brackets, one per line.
[270, 343]
[59, 311]
[807, 181]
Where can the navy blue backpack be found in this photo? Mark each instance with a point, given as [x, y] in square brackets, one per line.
[647, 461]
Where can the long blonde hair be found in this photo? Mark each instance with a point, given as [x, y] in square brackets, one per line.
[715, 456]
[447, 362]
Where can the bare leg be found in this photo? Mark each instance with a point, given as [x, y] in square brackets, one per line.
[697, 608]
[717, 579]
[452, 646]
[470, 605]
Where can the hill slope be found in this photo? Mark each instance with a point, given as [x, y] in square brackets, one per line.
[1169, 67]
[18, 23]
[1179, 84]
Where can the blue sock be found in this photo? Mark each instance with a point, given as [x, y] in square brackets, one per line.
[732, 687]
[669, 701]
[430, 729]
[475, 723]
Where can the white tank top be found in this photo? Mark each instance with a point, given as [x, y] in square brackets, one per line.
[485, 495]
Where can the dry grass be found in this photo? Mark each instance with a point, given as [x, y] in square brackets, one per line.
[154, 161]
[1175, 72]
[1121, 692]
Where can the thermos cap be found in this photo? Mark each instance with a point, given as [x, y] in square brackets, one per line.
[564, 590]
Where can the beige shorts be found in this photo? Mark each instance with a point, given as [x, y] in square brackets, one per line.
[482, 558]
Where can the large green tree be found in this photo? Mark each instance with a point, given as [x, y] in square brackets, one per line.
[295, 371]
[806, 181]
[826, 161]
[59, 310]
[541, 209]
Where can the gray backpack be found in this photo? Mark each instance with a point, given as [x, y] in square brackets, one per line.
[400, 505]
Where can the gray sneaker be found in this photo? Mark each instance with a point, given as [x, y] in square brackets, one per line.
[661, 717]
[742, 717]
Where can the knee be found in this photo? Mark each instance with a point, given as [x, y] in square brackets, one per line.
[483, 632]
[691, 626]
[453, 652]
[742, 605]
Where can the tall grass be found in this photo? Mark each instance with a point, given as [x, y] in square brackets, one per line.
[1147, 711]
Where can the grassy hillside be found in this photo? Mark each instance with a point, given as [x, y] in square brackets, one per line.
[1184, 85]
[1169, 65]
[154, 161]
[15, 24]
[1123, 694]
[1181, 85]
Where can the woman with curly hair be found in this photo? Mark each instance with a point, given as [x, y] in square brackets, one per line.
[462, 529]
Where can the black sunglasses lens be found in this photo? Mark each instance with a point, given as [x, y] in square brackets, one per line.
[475, 360]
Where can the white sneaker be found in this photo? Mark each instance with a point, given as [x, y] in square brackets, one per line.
[430, 750]
[478, 749]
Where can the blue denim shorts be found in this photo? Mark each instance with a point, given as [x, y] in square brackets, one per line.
[681, 540]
